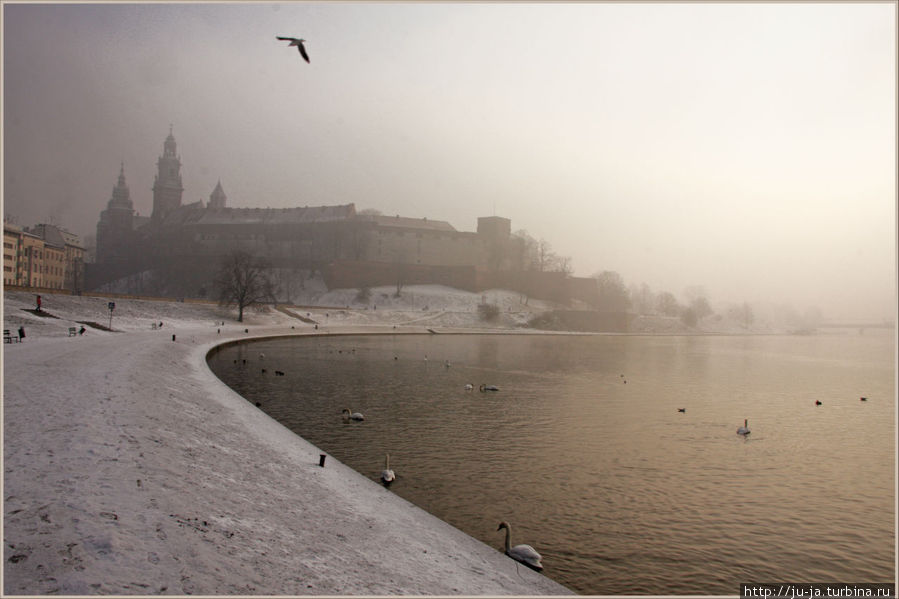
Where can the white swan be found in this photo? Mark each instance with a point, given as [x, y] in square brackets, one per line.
[347, 415]
[521, 553]
[744, 430]
[469, 386]
[387, 475]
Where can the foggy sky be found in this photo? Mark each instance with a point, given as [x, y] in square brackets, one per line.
[747, 148]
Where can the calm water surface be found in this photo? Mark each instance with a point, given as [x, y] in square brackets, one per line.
[584, 451]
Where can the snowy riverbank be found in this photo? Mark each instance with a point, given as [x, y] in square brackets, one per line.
[131, 469]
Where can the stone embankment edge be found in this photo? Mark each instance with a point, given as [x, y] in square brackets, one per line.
[208, 350]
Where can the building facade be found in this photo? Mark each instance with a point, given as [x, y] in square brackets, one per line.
[44, 256]
[13, 250]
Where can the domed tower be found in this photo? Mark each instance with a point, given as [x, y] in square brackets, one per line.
[217, 198]
[116, 223]
[167, 187]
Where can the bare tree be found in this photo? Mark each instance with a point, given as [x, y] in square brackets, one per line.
[244, 280]
[562, 264]
[700, 306]
[642, 297]
[613, 295]
[544, 255]
[522, 249]
[667, 304]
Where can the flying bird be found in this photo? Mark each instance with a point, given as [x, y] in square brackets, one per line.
[298, 43]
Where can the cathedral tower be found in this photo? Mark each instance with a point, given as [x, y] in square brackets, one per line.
[116, 222]
[218, 198]
[167, 187]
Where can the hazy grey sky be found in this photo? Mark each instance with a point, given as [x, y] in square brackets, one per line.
[748, 148]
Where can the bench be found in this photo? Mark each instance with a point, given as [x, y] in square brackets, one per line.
[72, 331]
[7, 338]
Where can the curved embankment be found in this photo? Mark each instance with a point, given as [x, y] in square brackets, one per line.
[131, 469]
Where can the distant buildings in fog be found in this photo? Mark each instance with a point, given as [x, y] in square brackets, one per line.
[44, 256]
[184, 243]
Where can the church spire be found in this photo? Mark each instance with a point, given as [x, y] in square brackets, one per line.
[121, 195]
[218, 198]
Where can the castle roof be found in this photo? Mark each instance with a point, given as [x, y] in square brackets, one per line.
[404, 222]
[193, 215]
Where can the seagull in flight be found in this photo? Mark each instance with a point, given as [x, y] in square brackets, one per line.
[298, 43]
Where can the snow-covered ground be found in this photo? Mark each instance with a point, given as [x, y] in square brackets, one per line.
[129, 468]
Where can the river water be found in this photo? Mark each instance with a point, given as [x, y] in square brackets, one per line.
[583, 449]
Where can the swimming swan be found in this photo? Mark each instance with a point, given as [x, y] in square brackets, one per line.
[387, 475]
[469, 386]
[521, 553]
[744, 430]
[347, 415]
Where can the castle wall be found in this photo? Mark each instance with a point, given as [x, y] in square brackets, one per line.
[424, 247]
[550, 286]
[354, 274]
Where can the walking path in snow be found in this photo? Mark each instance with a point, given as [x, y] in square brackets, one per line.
[129, 468]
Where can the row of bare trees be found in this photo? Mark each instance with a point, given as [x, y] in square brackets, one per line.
[614, 295]
[529, 253]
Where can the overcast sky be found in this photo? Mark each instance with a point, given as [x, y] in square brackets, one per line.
[746, 148]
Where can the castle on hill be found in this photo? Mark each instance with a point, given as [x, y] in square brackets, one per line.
[182, 245]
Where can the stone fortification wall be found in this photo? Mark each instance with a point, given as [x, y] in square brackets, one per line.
[551, 286]
[351, 274]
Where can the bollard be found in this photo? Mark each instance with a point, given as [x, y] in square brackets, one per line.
[173, 337]
[321, 460]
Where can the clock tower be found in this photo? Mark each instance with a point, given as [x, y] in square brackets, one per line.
[167, 187]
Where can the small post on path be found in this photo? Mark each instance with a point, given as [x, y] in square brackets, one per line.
[111, 306]
[321, 460]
